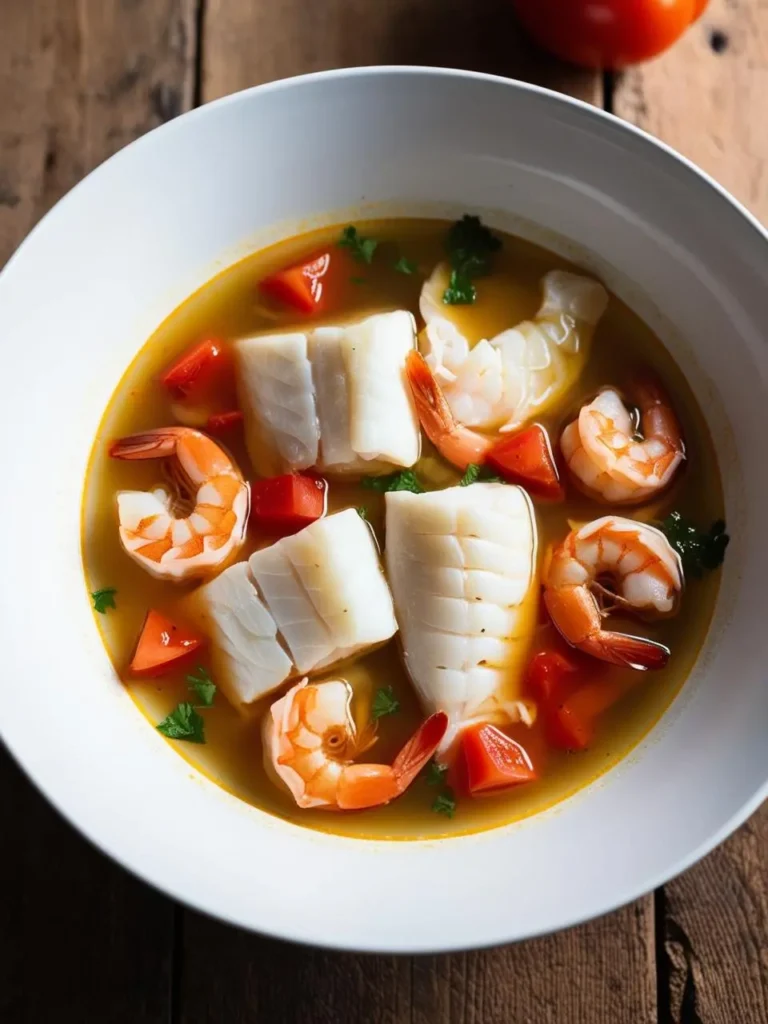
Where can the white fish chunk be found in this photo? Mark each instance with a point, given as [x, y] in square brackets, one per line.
[276, 393]
[247, 657]
[462, 566]
[335, 397]
[326, 590]
[295, 608]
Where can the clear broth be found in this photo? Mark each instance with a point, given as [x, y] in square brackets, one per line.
[228, 307]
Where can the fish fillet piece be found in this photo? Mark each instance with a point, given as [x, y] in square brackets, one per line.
[335, 397]
[462, 566]
[276, 393]
[330, 598]
[247, 658]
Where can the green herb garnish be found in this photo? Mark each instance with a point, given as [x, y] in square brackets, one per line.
[203, 685]
[362, 249]
[404, 480]
[183, 723]
[445, 803]
[470, 246]
[436, 773]
[362, 511]
[699, 551]
[385, 703]
[475, 474]
[103, 599]
[405, 266]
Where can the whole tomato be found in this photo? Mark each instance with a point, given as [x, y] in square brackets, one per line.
[607, 33]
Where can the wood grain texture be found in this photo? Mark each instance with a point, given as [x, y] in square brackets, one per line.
[80, 940]
[601, 973]
[707, 97]
[79, 79]
[258, 41]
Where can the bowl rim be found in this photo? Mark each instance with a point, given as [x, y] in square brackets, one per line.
[607, 123]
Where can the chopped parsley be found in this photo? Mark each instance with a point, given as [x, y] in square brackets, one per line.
[470, 247]
[203, 685]
[479, 474]
[405, 266]
[700, 552]
[103, 599]
[361, 249]
[183, 723]
[445, 803]
[435, 774]
[404, 480]
[385, 703]
[362, 511]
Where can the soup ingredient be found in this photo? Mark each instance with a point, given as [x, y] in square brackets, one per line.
[493, 760]
[700, 552]
[161, 646]
[475, 473]
[181, 547]
[405, 480]
[223, 422]
[436, 773]
[302, 605]
[287, 503]
[104, 599]
[200, 383]
[502, 383]
[609, 34]
[610, 460]
[362, 249]
[385, 703]
[203, 685]
[183, 723]
[461, 564]
[571, 696]
[526, 458]
[335, 397]
[445, 803]
[406, 266]
[311, 741]
[470, 246]
[303, 285]
[645, 570]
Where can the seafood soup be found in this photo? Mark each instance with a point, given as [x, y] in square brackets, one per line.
[403, 529]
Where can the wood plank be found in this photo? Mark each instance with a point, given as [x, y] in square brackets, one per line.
[705, 97]
[259, 41]
[600, 973]
[79, 79]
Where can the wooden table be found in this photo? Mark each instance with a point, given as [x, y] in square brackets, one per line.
[82, 941]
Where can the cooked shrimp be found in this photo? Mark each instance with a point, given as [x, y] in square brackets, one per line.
[455, 442]
[311, 741]
[614, 463]
[503, 383]
[645, 570]
[194, 529]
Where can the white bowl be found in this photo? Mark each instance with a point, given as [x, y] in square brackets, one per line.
[141, 232]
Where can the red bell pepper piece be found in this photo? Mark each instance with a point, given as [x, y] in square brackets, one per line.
[162, 646]
[493, 760]
[302, 285]
[199, 371]
[526, 458]
[286, 504]
[223, 422]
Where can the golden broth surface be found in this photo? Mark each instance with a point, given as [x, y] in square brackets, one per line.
[229, 307]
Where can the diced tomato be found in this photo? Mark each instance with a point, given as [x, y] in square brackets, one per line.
[162, 646]
[526, 458]
[223, 422]
[198, 371]
[286, 504]
[571, 696]
[302, 285]
[493, 760]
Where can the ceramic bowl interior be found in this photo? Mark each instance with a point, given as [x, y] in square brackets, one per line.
[152, 224]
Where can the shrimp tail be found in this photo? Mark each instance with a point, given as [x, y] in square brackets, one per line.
[371, 785]
[152, 444]
[627, 651]
[432, 408]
